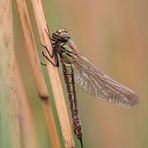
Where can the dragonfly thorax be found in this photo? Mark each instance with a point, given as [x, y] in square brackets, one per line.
[68, 57]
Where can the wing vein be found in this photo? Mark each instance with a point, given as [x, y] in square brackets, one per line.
[94, 82]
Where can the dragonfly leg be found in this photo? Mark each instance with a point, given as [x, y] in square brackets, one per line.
[50, 54]
[48, 34]
[54, 64]
[43, 64]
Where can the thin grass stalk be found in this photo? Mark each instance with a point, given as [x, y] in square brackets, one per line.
[36, 70]
[54, 77]
[28, 139]
[9, 119]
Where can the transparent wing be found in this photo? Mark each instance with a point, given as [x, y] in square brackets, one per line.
[94, 82]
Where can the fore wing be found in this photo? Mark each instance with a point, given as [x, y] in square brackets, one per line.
[94, 82]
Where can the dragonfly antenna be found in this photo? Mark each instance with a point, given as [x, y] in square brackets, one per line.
[81, 142]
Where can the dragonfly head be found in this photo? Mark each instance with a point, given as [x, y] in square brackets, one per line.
[61, 35]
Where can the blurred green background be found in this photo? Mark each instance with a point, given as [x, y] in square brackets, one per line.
[113, 35]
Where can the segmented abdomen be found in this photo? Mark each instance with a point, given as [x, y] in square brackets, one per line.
[70, 85]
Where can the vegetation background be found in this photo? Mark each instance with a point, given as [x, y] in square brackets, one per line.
[113, 35]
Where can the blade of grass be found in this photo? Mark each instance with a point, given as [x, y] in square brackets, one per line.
[36, 70]
[26, 123]
[9, 119]
[54, 77]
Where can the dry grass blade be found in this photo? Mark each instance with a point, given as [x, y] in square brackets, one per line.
[9, 120]
[36, 69]
[26, 125]
[54, 77]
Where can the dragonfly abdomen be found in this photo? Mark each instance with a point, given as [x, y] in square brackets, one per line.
[70, 85]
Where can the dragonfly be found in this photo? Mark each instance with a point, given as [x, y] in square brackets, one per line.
[77, 69]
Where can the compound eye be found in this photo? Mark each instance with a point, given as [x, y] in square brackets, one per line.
[64, 35]
[61, 30]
